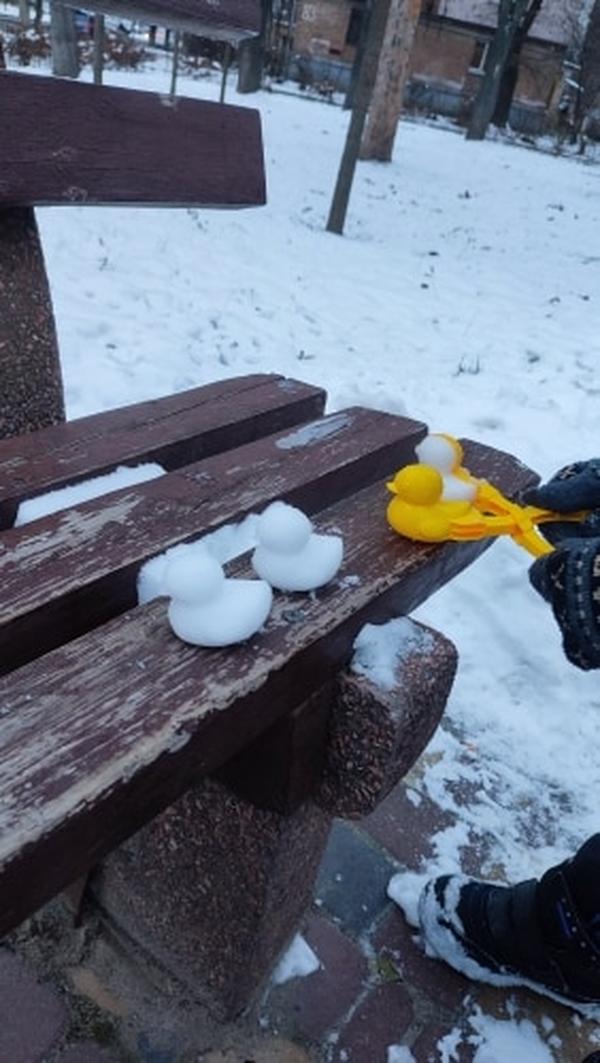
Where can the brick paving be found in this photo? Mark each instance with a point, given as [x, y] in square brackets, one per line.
[375, 987]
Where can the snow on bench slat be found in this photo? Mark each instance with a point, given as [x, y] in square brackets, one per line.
[172, 431]
[85, 490]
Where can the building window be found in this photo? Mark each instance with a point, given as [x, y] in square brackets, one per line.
[355, 26]
[479, 57]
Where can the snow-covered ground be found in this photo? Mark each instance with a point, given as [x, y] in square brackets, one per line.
[465, 292]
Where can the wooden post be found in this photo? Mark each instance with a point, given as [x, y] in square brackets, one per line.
[388, 94]
[362, 99]
[176, 44]
[98, 48]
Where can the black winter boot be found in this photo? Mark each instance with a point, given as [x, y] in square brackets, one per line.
[544, 935]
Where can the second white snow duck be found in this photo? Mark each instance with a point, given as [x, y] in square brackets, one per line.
[290, 555]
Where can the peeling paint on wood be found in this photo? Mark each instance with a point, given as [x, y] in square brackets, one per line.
[73, 570]
[173, 431]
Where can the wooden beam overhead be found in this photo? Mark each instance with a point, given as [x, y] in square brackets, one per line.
[226, 20]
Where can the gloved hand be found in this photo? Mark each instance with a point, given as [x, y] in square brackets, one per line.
[575, 487]
[569, 578]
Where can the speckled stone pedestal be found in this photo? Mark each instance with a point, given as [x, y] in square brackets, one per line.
[31, 392]
[376, 735]
[213, 889]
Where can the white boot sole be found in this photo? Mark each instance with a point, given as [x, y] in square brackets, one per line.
[445, 946]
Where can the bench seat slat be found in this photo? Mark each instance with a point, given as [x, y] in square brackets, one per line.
[104, 733]
[74, 570]
[124, 147]
[174, 431]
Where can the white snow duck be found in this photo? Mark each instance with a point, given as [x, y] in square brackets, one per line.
[206, 609]
[290, 555]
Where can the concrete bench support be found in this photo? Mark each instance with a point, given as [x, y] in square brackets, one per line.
[377, 735]
[215, 887]
[31, 392]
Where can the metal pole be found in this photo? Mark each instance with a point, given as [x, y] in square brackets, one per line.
[362, 97]
[98, 47]
[176, 44]
[226, 65]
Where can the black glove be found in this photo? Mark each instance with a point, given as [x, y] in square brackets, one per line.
[569, 579]
[575, 487]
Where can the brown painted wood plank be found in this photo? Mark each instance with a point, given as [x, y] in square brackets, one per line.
[229, 20]
[74, 570]
[283, 767]
[65, 142]
[173, 431]
[101, 735]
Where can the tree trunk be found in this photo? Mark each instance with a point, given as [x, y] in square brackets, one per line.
[506, 92]
[39, 11]
[514, 20]
[510, 75]
[588, 96]
[497, 57]
[362, 99]
[63, 36]
[388, 94]
[24, 13]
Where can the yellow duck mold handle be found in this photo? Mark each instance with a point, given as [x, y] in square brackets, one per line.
[438, 500]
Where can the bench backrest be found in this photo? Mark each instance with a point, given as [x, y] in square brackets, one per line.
[69, 143]
[65, 143]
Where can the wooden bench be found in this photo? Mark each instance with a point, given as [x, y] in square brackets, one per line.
[107, 720]
[192, 790]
